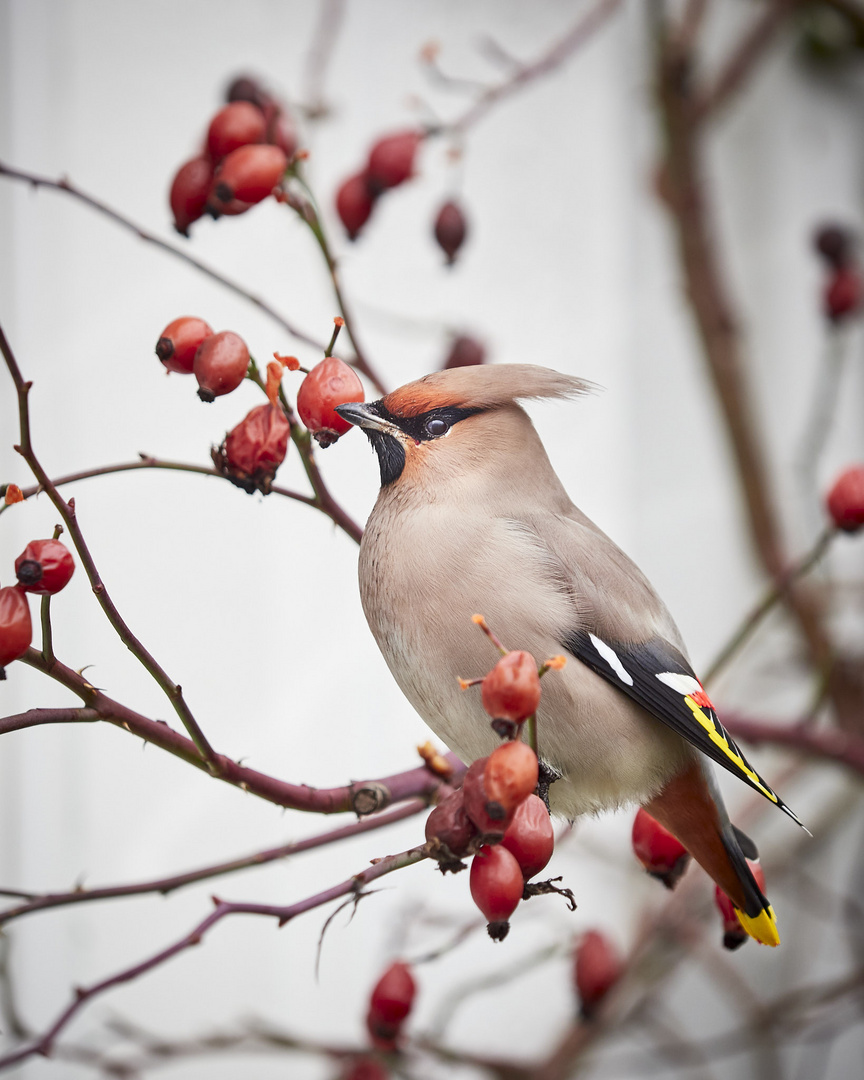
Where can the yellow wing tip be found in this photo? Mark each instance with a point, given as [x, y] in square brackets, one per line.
[761, 927]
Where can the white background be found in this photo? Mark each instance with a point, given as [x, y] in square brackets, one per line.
[252, 603]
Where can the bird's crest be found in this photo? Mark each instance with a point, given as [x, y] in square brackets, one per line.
[482, 387]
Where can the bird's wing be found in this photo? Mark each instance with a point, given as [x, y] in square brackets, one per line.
[622, 632]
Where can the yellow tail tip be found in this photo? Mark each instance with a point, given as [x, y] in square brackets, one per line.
[761, 927]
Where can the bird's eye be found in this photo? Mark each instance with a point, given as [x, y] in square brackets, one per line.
[435, 426]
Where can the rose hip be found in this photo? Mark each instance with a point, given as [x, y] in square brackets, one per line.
[845, 500]
[190, 189]
[391, 159]
[529, 837]
[510, 775]
[843, 293]
[354, 203]
[235, 125]
[496, 887]
[44, 567]
[390, 1003]
[249, 174]
[664, 857]
[328, 384]
[478, 805]
[450, 230]
[16, 630]
[220, 365]
[255, 448]
[179, 342]
[511, 690]
[464, 352]
[450, 826]
[596, 970]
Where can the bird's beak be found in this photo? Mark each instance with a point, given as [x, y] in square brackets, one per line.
[364, 416]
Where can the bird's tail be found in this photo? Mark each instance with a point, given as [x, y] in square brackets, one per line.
[691, 808]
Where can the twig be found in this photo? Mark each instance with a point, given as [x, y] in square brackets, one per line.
[581, 32]
[323, 501]
[742, 62]
[167, 885]
[331, 15]
[768, 602]
[361, 797]
[69, 188]
[67, 511]
[43, 1044]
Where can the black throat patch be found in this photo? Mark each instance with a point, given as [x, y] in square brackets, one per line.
[391, 452]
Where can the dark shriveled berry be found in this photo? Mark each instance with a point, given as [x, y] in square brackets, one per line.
[450, 230]
[465, 351]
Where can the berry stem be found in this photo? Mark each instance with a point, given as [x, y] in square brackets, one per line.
[530, 727]
[480, 621]
[338, 323]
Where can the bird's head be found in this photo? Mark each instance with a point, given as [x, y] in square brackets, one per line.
[447, 421]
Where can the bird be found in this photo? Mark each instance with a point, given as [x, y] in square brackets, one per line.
[471, 517]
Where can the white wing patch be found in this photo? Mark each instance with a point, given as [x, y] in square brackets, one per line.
[682, 684]
[612, 659]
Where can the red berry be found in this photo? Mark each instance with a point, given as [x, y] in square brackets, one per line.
[179, 342]
[220, 365]
[658, 850]
[390, 1003]
[478, 805]
[510, 775]
[328, 384]
[354, 204]
[465, 352]
[255, 448]
[834, 243]
[846, 499]
[843, 293]
[734, 934]
[235, 125]
[450, 825]
[511, 690]
[218, 209]
[16, 630]
[281, 130]
[450, 229]
[496, 887]
[365, 1069]
[597, 968]
[189, 191]
[391, 159]
[529, 837]
[44, 567]
[249, 174]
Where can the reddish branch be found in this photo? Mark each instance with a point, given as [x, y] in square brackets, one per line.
[683, 188]
[581, 32]
[83, 995]
[69, 188]
[828, 744]
[166, 885]
[362, 797]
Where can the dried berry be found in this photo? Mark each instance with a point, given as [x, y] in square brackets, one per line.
[44, 567]
[664, 857]
[235, 125]
[254, 449]
[328, 384]
[834, 243]
[220, 365]
[843, 293]
[391, 160]
[596, 970]
[179, 342]
[450, 230]
[734, 934]
[190, 190]
[247, 88]
[496, 887]
[478, 805]
[16, 630]
[249, 174]
[529, 837]
[354, 203]
[511, 690]
[390, 1003]
[451, 827]
[846, 499]
[465, 352]
[510, 775]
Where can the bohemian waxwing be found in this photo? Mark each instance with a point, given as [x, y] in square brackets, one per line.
[472, 518]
